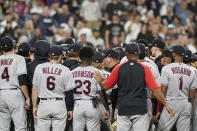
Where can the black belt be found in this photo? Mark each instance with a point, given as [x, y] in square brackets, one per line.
[10, 89]
[57, 99]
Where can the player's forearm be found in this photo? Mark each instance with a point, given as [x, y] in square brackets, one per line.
[25, 91]
[103, 98]
[159, 96]
[192, 95]
[34, 97]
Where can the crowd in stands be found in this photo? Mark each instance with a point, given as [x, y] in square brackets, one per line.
[100, 23]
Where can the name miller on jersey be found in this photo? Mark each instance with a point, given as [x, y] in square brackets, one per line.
[4, 62]
[48, 70]
[180, 70]
[87, 74]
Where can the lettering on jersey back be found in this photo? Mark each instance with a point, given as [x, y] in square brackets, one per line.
[4, 62]
[86, 74]
[180, 70]
[54, 71]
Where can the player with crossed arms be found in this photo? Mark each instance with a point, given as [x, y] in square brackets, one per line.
[12, 88]
[50, 82]
[86, 107]
[178, 84]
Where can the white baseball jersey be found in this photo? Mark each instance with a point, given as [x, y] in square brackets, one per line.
[11, 66]
[179, 79]
[52, 80]
[87, 86]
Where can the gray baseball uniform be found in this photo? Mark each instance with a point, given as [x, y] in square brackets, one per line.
[52, 81]
[11, 98]
[179, 79]
[105, 124]
[84, 112]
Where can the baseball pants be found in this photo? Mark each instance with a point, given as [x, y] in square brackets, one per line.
[85, 114]
[182, 109]
[12, 104]
[133, 123]
[194, 122]
[51, 113]
[105, 125]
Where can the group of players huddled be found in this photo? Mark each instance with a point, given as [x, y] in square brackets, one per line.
[52, 87]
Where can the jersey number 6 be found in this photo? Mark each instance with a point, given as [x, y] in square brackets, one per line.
[51, 83]
[79, 84]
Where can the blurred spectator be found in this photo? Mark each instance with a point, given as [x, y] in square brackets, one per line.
[144, 32]
[115, 7]
[8, 29]
[182, 12]
[74, 6]
[132, 28]
[96, 40]
[64, 14]
[153, 5]
[115, 41]
[91, 13]
[35, 17]
[114, 29]
[192, 6]
[20, 6]
[153, 34]
[16, 33]
[28, 29]
[83, 40]
[25, 16]
[81, 29]
[48, 23]
[168, 18]
[163, 32]
[37, 36]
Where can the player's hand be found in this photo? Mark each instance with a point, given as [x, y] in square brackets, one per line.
[157, 116]
[35, 112]
[27, 104]
[99, 78]
[115, 114]
[69, 115]
[106, 115]
[170, 110]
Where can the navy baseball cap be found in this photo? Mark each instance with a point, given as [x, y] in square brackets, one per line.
[7, 43]
[120, 51]
[132, 48]
[179, 50]
[142, 48]
[188, 53]
[56, 51]
[194, 57]
[74, 47]
[167, 53]
[98, 57]
[111, 53]
[23, 47]
[159, 43]
[144, 42]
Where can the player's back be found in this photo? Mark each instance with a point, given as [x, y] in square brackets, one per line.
[51, 79]
[179, 79]
[87, 87]
[11, 66]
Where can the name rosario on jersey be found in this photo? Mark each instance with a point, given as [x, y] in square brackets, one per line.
[181, 70]
[56, 71]
[4, 62]
[87, 74]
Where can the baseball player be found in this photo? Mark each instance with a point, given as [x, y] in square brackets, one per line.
[132, 78]
[97, 63]
[178, 85]
[86, 108]
[156, 74]
[12, 88]
[50, 82]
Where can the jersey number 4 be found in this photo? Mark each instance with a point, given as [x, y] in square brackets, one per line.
[5, 74]
[79, 84]
[51, 83]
